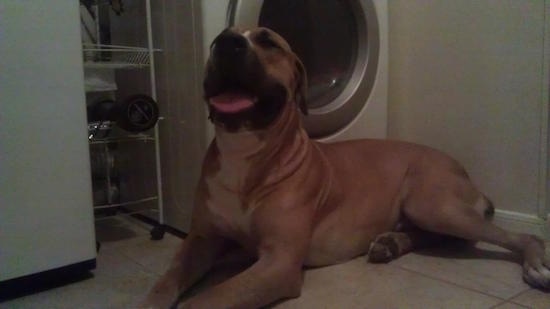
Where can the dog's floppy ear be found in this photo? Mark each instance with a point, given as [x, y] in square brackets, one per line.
[300, 91]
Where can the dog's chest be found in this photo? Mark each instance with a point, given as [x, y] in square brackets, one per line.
[224, 201]
[225, 187]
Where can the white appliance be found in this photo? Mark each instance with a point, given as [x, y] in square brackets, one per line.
[46, 216]
[344, 46]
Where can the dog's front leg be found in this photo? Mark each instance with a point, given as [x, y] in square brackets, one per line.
[272, 277]
[192, 260]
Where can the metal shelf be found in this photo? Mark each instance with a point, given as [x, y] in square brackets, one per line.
[143, 200]
[100, 56]
[122, 139]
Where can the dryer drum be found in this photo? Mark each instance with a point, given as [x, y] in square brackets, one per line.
[137, 113]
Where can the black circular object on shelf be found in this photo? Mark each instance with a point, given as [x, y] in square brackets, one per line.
[138, 113]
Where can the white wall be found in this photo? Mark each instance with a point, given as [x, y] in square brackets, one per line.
[469, 77]
[177, 31]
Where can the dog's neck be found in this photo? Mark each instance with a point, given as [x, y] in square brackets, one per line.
[239, 145]
[251, 158]
[244, 144]
[236, 152]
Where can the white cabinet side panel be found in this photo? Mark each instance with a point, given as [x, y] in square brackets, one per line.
[46, 216]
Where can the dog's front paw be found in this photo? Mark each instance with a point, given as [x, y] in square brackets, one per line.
[162, 295]
[536, 265]
[154, 303]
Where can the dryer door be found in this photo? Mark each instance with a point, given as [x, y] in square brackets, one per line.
[338, 42]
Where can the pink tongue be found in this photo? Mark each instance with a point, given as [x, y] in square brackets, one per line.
[231, 102]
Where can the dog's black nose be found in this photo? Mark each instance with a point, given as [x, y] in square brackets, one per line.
[229, 44]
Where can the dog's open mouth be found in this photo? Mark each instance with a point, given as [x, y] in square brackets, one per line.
[232, 102]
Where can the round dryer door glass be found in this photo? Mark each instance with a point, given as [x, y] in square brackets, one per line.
[324, 36]
[338, 42]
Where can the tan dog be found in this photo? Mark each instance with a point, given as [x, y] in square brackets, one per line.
[290, 201]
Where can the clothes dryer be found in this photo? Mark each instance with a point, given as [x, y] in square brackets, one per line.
[344, 47]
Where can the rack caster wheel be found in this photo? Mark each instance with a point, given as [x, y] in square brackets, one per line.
[157, 233]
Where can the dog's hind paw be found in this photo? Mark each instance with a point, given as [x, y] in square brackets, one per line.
[536, 266]
[537, 277]
[383, 249]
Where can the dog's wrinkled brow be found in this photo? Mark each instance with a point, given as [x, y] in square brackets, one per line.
[265, 38]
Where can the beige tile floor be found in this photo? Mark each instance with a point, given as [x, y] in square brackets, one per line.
[452, 277]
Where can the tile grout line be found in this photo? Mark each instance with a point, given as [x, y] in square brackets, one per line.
[452, 283]
[143, 267]
[121, 253]
[518, 295]
[119, 245]
[508, 302]
[119, 248]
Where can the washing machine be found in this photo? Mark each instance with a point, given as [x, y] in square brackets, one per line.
[344, 47]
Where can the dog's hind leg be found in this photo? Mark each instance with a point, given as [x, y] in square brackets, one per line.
[442, 211]
[391, 245]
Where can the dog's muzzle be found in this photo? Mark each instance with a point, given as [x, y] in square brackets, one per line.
[229, 45]
[232, 73]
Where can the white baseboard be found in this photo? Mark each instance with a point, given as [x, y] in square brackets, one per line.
[521, 222]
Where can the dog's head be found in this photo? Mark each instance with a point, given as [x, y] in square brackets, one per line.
[251, 77]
